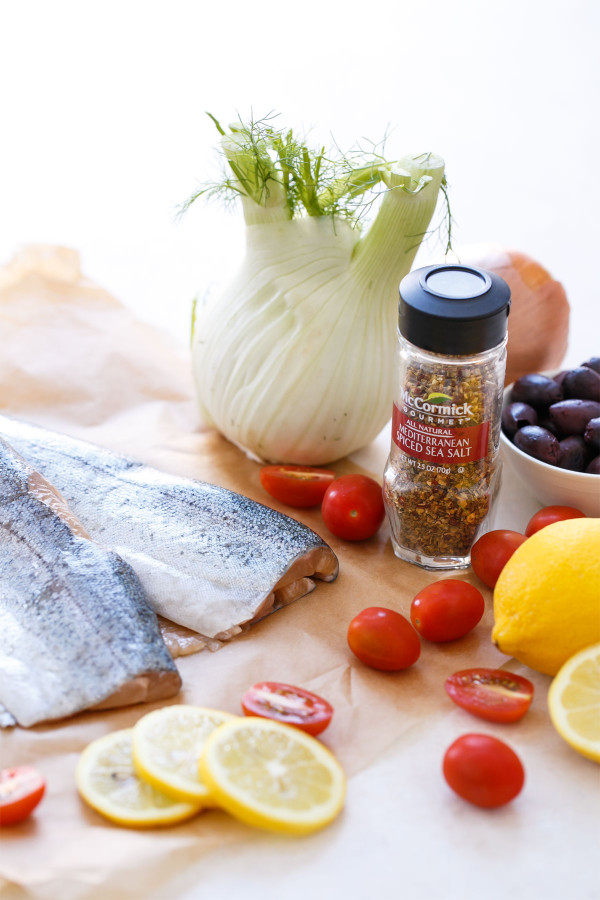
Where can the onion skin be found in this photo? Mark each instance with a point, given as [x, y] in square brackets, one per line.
[538, 324]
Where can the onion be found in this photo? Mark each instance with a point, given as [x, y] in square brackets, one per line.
[538, 324]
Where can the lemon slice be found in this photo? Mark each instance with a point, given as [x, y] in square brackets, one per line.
[574, 702]
[107, 781]
[272, 776]
[166, 746]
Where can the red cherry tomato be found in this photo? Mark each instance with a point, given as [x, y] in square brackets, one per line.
[492, 551]
[353, 507]
[21, 789]
[483, 770]
[288, 704]
[383, 639]
[446, 610]
[300, 486]
[550, 514]
[491, 694]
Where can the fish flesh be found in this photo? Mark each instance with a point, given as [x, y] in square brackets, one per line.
[76, 630]
[209, 559]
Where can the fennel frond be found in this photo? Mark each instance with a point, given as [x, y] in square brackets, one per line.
[273, 168]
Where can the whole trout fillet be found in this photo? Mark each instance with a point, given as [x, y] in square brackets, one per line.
[76, 630]
[209, 559]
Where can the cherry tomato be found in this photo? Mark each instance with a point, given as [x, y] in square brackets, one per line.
[383, 639]
[21, 789]
[492, 551]
[353, 507]
[483, 770]
[550, 514]
[288, 704]
[446, 610]
[491, 694]
[300, 486]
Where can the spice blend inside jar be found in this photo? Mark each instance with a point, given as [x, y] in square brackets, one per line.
[443, 472]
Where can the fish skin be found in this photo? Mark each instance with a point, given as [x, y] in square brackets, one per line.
[209, 559]
[76, 629]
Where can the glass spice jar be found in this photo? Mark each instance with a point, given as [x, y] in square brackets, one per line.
[443, 471]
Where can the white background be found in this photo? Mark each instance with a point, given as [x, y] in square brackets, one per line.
[104, 131]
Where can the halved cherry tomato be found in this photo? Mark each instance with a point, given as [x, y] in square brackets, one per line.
[492, 551]
[491, 694]
[483, 770]
[300, 486]
[353, 507]
[550, 514]
[288, 704]
[446, 610]
[383, 639]
[21, 789]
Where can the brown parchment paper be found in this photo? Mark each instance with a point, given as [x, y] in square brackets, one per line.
[73, 359]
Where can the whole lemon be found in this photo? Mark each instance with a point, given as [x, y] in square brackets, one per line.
[547, 598]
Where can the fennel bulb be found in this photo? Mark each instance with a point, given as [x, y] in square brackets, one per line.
[294, 360]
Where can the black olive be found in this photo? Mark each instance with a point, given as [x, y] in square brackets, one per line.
[574, 453]
[572, 416]
[536, 390]
[546, 422]
[516, 415]
[592, 434]
[593, 363]
[594, 467]
[582, 383]
[539, 443]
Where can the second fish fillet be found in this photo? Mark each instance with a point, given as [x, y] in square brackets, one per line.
[209, 559]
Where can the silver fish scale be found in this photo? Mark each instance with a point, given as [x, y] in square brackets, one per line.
[75, 623]
[207, 557]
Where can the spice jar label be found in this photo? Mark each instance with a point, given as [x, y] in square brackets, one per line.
[432, 440]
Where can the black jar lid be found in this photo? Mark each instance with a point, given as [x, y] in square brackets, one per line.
[453, 309]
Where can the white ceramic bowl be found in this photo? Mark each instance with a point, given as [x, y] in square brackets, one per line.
[550, 484]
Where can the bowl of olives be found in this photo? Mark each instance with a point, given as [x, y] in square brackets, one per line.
[551, 435]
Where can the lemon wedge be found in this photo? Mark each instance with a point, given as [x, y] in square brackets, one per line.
[574, 702]
[106, 780]
[272, 776]
[166, 746]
